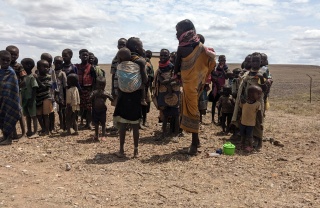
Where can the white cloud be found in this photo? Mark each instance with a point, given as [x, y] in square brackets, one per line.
[234, 28]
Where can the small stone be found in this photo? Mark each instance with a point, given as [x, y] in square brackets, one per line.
[68, 167]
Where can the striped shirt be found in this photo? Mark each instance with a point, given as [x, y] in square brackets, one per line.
[43, 92]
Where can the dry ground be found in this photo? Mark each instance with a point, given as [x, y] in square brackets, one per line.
[33, 173]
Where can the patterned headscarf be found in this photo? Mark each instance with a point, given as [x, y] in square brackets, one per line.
[188, 38]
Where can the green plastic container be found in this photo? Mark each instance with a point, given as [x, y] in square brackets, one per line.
[229, 148]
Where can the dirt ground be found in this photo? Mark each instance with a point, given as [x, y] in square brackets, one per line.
[33, 171]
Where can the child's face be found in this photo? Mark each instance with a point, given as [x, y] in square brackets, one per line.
[164, 56]
[84, 57]
[48, 59]
[256, 95]
[58, 64]
[70, 82]
[148, 54]
[91, 59]
[43, 68]
[222, 61]
[14, 54]
[66, 57]
[5, 61]
[255, 63]
[121, 44]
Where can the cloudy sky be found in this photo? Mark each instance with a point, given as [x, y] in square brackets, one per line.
[288, 31]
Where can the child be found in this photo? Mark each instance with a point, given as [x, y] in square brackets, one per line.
[20, 73]
[128, 108]
[28, 93]
[249, 113]
[214, 96]
[131, 84]
[114, 79]
[18, 68]
[68, 67]
[51, 72]
[148, 88]
[87, 77]
[94, 62]
[43, 98]
[73, 103]
[203, 99]
[226, 103]
[99, 107]
[222, 70]
[235, 82]
[60, 91]
[167, 92]
[9, 98]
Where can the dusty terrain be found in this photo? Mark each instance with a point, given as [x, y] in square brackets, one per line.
[33, 171]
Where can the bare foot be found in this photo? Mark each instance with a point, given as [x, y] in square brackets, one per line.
[120, 154]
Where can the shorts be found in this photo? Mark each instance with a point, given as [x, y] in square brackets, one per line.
[246, 131]
[46, 108]
[30, 111]
[99, 117]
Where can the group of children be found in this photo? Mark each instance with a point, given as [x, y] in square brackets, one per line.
[78, 90]
[241, 97]
[71, 89]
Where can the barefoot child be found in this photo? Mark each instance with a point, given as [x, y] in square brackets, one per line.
[28, 93]
[9, 98]
[43, 98]
[48, 58]
[235, 82]
[99, 107]
[87, 77]
[226, 103]
[20, 73]
[73, 103]
[60, 91]
[167, 92]
[249, 114]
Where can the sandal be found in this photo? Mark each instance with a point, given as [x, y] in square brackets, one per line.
[103, 139]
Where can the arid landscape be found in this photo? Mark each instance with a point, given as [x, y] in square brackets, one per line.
[33, 171]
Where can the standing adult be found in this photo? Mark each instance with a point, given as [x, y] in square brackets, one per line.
[194, 63]
[128, 107]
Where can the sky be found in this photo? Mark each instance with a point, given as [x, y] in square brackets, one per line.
[287, 31]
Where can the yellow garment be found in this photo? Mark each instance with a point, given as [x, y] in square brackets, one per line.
[195, 69]
[249, 113]
[73, 98]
